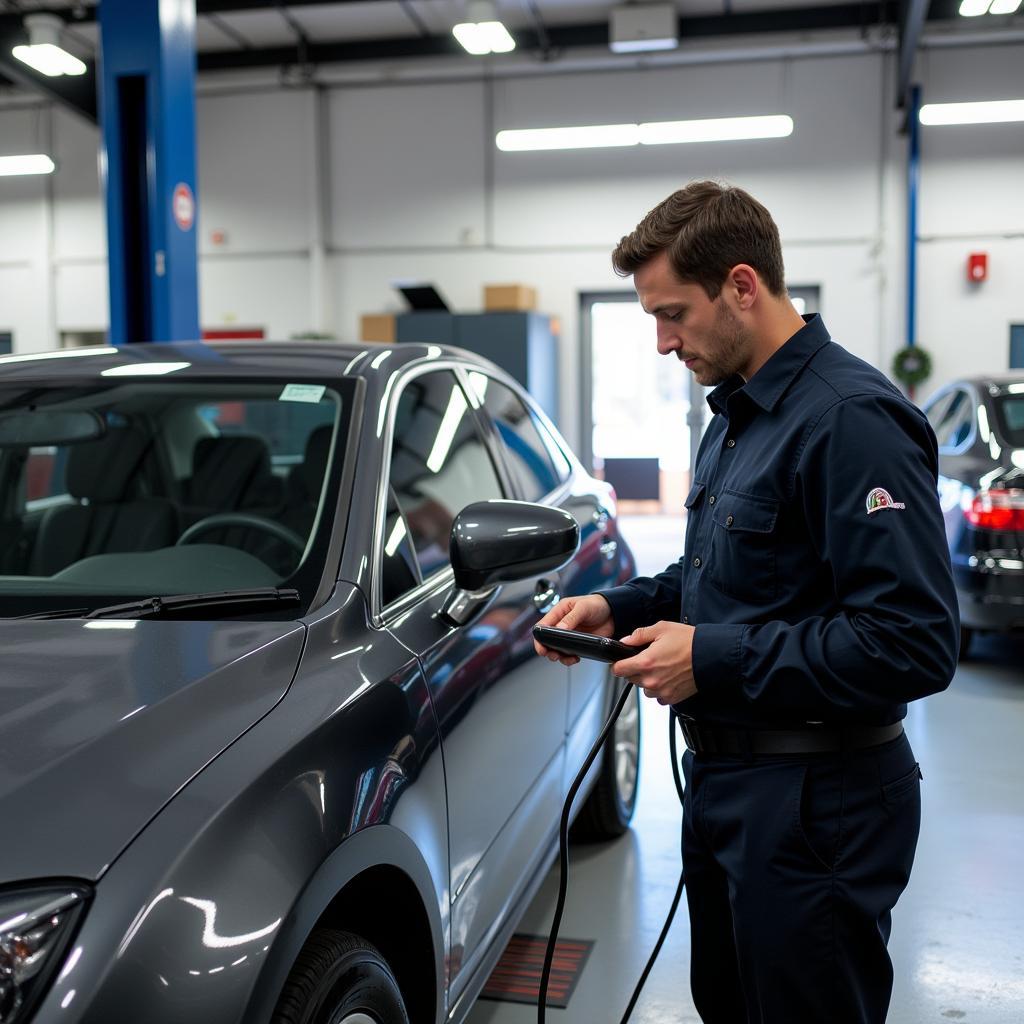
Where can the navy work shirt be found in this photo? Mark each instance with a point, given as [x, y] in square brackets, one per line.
[816, 570]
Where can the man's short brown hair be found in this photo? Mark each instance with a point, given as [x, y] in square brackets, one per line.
[707, 229]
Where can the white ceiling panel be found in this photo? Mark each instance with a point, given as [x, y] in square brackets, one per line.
[210, 36]
[331, 23]
[262, 29]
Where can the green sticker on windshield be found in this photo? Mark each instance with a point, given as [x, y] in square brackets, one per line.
[302, 393]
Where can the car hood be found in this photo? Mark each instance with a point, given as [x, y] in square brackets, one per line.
[102, 722]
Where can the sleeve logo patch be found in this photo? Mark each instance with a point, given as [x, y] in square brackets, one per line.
[880, 498]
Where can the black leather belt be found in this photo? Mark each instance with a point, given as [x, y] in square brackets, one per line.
[712, 739]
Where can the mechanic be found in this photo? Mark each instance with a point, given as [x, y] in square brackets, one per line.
[813, 601]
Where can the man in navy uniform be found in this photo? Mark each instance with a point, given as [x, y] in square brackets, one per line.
[813, 601]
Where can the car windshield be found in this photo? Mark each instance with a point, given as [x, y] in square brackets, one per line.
[1010, 411]
[123, 489]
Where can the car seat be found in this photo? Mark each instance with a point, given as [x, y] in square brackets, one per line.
[109, 514]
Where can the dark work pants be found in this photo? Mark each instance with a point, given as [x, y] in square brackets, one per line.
[793, 865]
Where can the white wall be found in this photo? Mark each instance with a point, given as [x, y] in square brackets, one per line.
[417, 189]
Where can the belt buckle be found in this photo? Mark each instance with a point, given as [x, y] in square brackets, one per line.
[690, 734]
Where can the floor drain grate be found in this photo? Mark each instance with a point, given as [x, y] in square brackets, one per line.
[516, 978]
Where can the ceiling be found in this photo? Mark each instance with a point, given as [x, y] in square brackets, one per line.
[238, 34]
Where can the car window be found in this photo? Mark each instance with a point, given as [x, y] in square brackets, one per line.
[954, 427]
[439, 464]
[531, 453]
[1010, 414]
[936, 409]
[157, 480]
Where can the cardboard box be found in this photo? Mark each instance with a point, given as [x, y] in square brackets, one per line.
[378, 327]
[519, 297]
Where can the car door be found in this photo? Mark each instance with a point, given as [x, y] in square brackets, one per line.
[953, 416]
[542, 472]
[500, 708]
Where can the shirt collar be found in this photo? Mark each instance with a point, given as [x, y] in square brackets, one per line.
[769, 384]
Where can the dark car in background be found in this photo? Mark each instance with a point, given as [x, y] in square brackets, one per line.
[979, 424]
[274, 742]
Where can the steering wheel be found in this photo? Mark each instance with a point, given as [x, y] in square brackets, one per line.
[243, 519]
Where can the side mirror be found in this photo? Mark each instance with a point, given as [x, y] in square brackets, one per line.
[496, 542]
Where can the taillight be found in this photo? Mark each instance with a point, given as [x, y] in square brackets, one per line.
[997, 510]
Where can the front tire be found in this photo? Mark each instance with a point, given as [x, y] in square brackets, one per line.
[339, 978]
[608, 809]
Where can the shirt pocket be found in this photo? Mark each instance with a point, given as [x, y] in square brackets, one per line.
[693, 503]
[742, 560]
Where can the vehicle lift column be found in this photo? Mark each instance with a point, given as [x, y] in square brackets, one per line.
[148, 166]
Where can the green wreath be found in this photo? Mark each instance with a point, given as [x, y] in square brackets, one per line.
[912, 365]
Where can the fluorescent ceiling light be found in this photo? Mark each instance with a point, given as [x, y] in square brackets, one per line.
[44, 52]
[1004, 6]
[481, 33]
[716, 129]
[653, 133]
[991, 112]
[593, 136]
[143, 369]
[484, 37]
[31, 163]
[49, 60]
[643, 45]
[973, 8]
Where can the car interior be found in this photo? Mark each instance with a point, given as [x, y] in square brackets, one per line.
[183, 469]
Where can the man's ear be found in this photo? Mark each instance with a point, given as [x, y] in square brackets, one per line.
[745, 285]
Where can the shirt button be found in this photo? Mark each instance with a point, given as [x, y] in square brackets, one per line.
[729, 521]
[730, 443]
[711, 500]
[696, 563]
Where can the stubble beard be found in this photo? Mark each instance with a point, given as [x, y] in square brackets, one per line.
[728, 350]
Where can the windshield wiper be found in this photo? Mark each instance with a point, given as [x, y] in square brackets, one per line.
[237, 601]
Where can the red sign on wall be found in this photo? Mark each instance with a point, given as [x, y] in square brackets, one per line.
[184, 206]
[977, 266]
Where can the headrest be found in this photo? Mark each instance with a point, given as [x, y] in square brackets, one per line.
[229, 472]
[102, 470]
[314, 462]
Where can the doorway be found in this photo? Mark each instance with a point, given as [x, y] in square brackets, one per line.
[642, 414]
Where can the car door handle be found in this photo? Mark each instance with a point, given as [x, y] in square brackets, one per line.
[608, 549]
[546, 597]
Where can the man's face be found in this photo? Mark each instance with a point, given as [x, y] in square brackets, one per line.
[704, 334]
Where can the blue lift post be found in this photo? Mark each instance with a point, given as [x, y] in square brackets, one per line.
[148, 160]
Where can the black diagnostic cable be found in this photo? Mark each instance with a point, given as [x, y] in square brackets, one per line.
[563, 859]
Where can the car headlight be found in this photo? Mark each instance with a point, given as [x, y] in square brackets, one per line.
[35, 927]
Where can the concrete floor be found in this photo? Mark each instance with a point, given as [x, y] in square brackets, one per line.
[958, 931]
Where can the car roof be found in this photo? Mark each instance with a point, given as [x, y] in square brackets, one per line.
[238, 358]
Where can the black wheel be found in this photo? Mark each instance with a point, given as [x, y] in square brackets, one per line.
[608, 809]
[966, 636]
[339, 978]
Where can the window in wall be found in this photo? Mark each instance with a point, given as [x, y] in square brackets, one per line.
[6, 343]
[530, 460]
[1016, 346]
[805, 297]
[439, 465]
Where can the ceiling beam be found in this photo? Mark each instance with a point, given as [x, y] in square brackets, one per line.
[560, 37]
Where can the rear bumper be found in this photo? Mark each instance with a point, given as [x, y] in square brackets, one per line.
[991, 596]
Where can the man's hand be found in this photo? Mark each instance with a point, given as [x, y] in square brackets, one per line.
[665, 669]
[590, 614]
